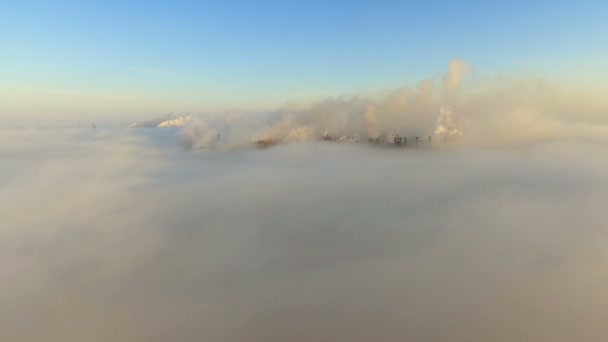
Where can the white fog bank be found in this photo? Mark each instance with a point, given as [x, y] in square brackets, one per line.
[113, 235]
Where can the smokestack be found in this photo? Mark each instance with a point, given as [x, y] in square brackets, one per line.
[416, 141]
[398, 140]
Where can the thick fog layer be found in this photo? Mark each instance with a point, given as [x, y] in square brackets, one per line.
[126, 236]
[500, 234]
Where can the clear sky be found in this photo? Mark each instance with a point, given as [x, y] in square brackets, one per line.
[127, 57]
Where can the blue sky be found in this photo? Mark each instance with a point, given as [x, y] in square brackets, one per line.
[144, 56]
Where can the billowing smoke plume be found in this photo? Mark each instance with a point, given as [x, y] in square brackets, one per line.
[458, 71]
[501, 113]
[448, 125]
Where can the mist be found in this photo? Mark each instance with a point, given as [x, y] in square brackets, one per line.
[168, 233]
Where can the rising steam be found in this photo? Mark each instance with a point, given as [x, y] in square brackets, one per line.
[501, 114]
[458, 71]
[167, 121]
[448, 125]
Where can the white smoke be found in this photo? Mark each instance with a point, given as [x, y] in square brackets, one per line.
[151, 123]
[503, 113]
[404, 112]
[448, 125]
[453, 79]
[167, 121]
[177, 122]
[303, 133]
